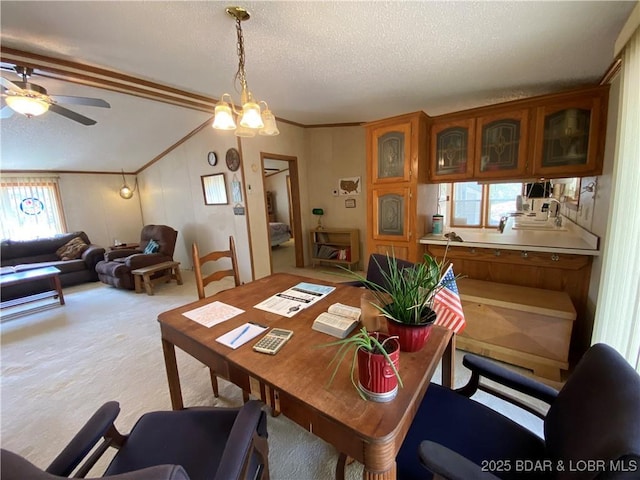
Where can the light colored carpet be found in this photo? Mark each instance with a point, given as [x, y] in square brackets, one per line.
[60, 365]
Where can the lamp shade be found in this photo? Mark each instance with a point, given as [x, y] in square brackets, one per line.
[223, 119]
[251, 117]
[28, 106]
[245, 132]
[270, 128]
[126, 192]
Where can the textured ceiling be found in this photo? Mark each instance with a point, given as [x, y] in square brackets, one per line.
[314, 62]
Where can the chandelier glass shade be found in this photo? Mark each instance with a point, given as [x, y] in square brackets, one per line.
[252, 118]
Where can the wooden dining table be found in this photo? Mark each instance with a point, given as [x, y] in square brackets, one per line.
[294, 381]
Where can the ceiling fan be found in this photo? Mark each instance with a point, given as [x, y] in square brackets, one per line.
[32, 100]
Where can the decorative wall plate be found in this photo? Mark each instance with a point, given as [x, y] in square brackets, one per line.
[212, 158]
[233, 159]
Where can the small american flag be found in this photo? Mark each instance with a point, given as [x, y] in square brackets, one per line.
[447, 303]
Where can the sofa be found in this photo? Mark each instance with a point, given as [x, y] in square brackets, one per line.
[115, 269]
[20, 255]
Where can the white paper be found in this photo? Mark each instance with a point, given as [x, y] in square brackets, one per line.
[213, 313]
[240, 335]
[296, 298]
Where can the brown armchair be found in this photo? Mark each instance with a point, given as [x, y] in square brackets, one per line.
[117, 265]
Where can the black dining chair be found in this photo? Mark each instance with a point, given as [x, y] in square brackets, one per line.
[591, 429]
[377, 267]
[201, 443]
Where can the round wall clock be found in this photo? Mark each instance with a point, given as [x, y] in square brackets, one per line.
[212, 158]
[233, 159]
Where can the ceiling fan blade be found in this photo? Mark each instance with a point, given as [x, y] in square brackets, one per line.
[9, 85]
[6, 112]
[65, 112]
[92, 102]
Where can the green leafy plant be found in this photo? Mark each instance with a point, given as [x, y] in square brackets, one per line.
[361, 340]
[409, 292]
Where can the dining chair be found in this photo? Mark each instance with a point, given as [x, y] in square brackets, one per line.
[202, 280]
[199, 443]
[591, 428]
[377, 268]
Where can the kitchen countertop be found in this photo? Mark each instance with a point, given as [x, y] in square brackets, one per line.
[573, 240]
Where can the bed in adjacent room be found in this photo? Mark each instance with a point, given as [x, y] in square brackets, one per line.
[280, 233]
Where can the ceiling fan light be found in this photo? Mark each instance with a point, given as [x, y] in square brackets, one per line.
[27, 106]
[223, 118]
[270, 127]
[251, 117]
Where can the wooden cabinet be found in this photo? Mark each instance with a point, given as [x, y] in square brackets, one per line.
[570, 134]
[396, 166]
[391, 153]
[551, 271]
[391, 207]
[530, 327]
[552, 136]
[501, 144]
[332, 245]
[452, 149]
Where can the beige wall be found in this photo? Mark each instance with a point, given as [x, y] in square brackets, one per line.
[335, 153]
[171, 193]
[602, 201]
[92, 204]
[290, 142]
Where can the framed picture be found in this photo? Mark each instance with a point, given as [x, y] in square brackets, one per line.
[214, 189]
[350, 186]
[350, 203]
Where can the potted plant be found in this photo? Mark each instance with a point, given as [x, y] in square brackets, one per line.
[374, 365]
[406, 299]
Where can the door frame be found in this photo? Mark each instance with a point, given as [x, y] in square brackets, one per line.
[294, 204]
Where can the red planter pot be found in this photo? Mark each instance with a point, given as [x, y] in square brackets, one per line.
[411, 337]
[377, 380]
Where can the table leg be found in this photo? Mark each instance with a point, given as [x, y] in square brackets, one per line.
[379, 461]
[138, 279]
[448, 363]
[58, 287]
[173, 378]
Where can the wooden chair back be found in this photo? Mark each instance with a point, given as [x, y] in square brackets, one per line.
[198, 262]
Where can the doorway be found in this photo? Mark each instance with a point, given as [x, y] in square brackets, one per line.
[282, 198]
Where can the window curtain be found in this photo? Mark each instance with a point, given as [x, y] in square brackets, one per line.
[30, 208]
[617, 319]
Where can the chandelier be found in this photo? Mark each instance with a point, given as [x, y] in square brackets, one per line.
[251, 119]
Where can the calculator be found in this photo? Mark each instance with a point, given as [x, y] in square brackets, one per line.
[273, 341]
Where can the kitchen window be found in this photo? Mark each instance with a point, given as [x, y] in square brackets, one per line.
[30, 208]
[481, 205]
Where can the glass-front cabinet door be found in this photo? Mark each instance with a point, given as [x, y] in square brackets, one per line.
[391, 154]
[391, 213]
[566, 137]
[501, 145]
[452, 147]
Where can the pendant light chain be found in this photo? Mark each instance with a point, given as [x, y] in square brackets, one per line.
[240, 74]
[254, 116]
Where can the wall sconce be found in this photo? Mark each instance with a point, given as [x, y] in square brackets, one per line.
[319, 212]
[125, 191]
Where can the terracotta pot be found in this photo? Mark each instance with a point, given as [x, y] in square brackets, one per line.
[412, 337]
[377, 380]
